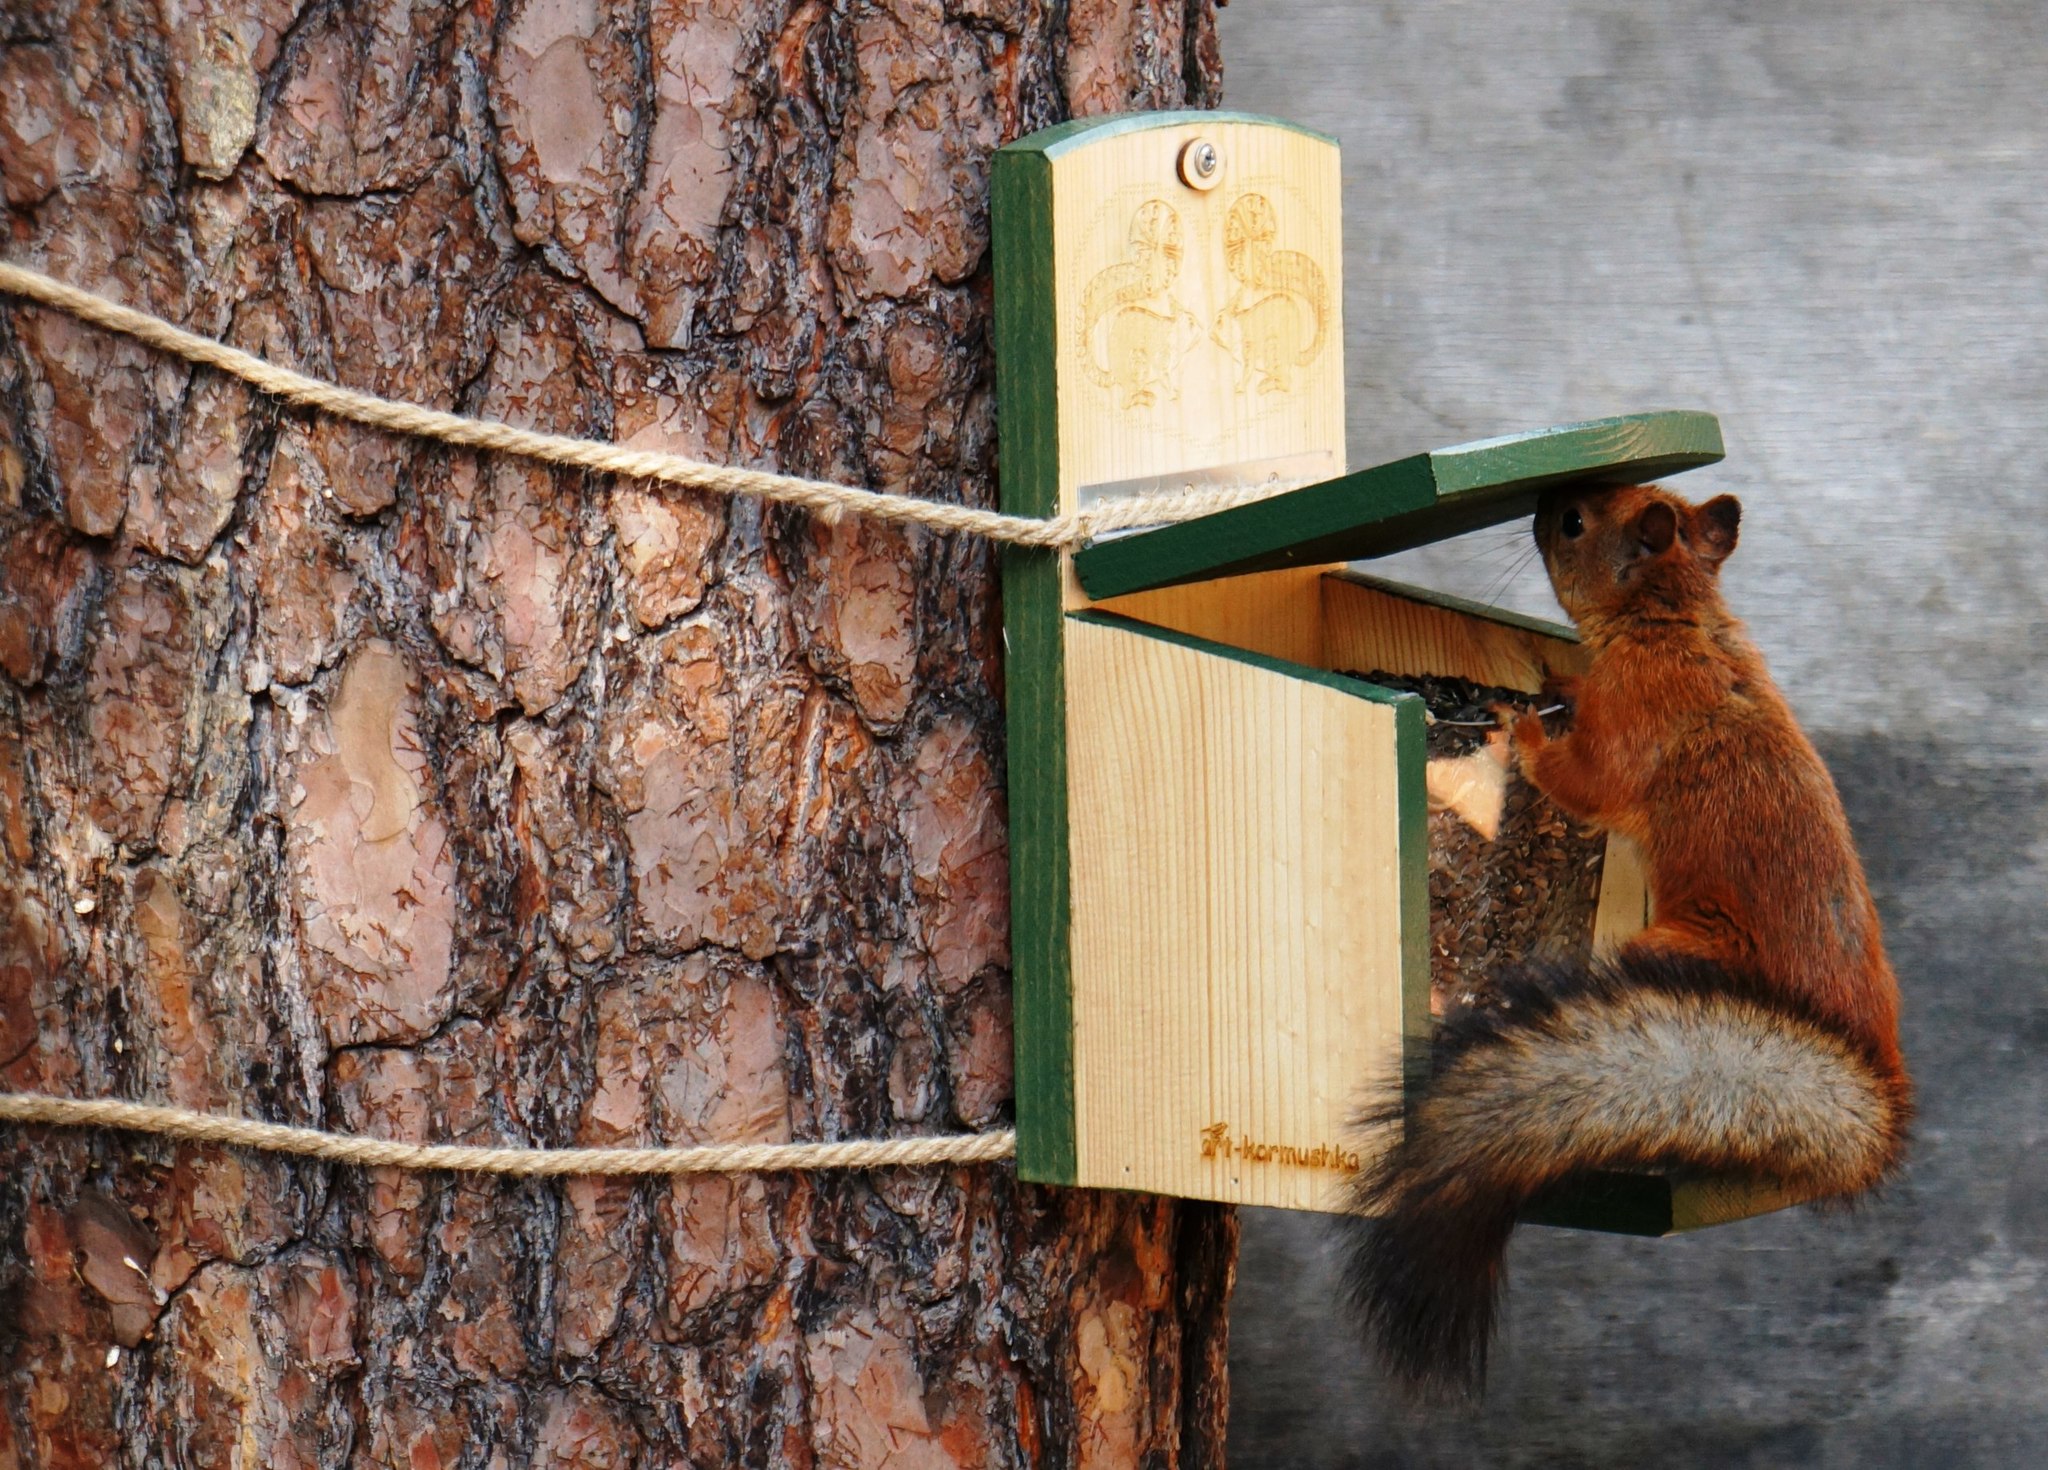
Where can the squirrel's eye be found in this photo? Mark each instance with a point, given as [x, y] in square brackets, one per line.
[1573, 525]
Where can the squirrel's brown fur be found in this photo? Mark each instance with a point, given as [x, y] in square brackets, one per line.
[1752, 1029]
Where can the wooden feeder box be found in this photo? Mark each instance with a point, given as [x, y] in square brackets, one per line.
[1220, 850]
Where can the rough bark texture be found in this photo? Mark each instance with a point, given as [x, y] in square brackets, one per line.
[352, 782]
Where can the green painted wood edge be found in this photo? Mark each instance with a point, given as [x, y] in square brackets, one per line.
[1653, 1204]
[1034, 668]
[1079, 132]
[1638, 442]
[1411, 757]
[1406, 503]
[1543, 627]
[1300, 528]
[1613, 1204]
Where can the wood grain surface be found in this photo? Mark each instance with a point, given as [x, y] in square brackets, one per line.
[1238, 946]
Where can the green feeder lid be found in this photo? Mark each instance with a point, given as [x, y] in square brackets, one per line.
[1409, 502]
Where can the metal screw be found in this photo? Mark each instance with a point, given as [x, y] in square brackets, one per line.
[1201, 164]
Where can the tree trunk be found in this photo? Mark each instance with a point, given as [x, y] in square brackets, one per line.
[358, 783]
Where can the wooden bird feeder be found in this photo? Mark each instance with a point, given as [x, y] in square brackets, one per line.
[1221, 837]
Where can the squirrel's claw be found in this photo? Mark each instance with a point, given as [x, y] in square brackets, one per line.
[1524, 725]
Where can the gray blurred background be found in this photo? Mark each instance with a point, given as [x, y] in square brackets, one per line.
[1823, 221]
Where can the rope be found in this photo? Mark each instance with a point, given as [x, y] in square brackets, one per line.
[1063, 532]
[342, 1148]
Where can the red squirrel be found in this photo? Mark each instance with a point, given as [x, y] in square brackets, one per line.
[1751, 1030]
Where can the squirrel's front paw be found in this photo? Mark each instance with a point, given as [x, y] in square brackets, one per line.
[1560, 688]
[1525, 725]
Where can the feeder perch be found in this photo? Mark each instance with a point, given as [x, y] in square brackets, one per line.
[1220, 849]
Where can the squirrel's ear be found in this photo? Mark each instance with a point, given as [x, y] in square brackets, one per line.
[1657, 527]
[1714, 527]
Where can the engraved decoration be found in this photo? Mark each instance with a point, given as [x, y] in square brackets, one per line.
[1200, 313]
[1279, 310]
[1134, 329]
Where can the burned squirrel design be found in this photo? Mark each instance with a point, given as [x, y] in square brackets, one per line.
[1751, 1030]
[1134, 329]
[1278, 313]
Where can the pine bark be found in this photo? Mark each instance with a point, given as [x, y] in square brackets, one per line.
[358, 783]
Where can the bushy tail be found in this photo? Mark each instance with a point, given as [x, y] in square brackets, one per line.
[1642, 1062]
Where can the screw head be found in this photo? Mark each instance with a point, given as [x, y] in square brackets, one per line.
[1201, 164]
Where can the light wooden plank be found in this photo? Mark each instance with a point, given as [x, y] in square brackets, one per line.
[1657, 1204]
[1369, 624]
[1278, 614]
[1332, 618]
[1238, 935]
[1624, 909]
[1195, 328]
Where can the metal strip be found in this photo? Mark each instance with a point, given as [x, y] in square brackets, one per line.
[1307, 468]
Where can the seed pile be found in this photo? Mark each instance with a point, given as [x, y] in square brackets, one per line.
[1528, 894]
